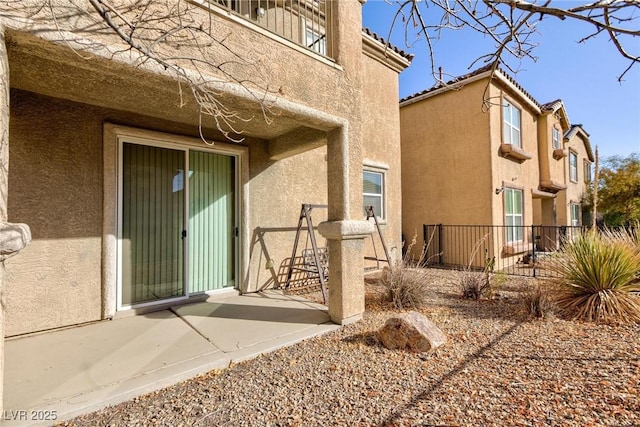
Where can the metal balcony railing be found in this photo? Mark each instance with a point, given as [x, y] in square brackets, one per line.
[304, 22]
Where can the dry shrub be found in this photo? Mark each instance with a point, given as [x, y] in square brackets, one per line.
[475, 285]
[538, 302]
[406, 285]
[598, 277]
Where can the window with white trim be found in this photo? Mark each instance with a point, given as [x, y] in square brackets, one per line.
[573, 166]
[315, 41]
[555, 137]
[513, 218]
[587, 171]
[575, 214]
[373, 191]
[511, 124]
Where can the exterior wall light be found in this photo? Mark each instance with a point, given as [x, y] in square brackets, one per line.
[499, 190]
[260, 12]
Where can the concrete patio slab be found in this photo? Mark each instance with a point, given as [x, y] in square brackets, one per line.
[240, 322]
[78, 370]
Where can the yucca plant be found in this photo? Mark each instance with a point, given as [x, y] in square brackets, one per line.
[598, 277]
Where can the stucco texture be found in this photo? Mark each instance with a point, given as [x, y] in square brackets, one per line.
[446, 161]
[62, 98]
[382, 153]
[55, 186]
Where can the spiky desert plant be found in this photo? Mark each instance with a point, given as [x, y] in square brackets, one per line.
[598, 278]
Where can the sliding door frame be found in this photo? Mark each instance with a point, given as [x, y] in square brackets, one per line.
[114, 137]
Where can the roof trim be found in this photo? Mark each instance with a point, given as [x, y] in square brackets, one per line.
[557, 106]
[482, 73]
[578, 130]
[386, 54]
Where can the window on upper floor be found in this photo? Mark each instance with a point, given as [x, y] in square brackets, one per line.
[575, 214]
[513, 219]
[573, 166]
[315, 41]
[511, 124]
[555, 138]
[587, 170]
[304, 22]
[373, 191]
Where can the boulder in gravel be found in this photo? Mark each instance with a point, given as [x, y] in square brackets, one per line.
[411, 331]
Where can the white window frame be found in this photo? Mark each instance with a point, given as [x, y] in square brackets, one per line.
[573, 166]
[555, 138]
[511, 131]
[575, 219]
[310, 36]
[587, 170]
[380, 215]
[515, 234]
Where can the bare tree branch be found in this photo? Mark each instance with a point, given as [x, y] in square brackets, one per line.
[511, 25]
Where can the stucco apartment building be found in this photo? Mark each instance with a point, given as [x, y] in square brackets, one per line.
[481, 150]
[100, 139]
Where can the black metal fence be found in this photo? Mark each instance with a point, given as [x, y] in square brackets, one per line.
[512, 249]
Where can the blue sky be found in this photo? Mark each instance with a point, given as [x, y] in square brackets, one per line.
[584, 76]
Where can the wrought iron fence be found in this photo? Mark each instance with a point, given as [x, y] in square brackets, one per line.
[304, 22]
[514, 249]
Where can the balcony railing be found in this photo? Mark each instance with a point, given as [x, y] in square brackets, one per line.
[304, 22]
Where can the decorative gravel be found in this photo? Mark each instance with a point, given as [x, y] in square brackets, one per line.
[499, 368]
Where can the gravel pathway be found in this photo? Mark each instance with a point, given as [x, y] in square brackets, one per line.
[499, 368]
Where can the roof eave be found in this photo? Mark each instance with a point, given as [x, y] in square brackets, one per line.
[383, 54]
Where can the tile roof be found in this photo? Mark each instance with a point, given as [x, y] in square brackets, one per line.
[462, 78]
[587, 143]
[408, 56]
[552, 106]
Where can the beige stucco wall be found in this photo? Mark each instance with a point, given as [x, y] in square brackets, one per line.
[575, 190]
[508, 172]
[452, 162]
[550, 168]
[62, 101]
[381, 135]
[446, 166]
[55, 186]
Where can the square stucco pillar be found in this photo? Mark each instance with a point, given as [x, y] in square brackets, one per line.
[4, 159]
[345, 236]
[13, 237]
[345, 228]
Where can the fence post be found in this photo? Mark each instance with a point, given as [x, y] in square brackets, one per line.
[440, 251]
[533, 249]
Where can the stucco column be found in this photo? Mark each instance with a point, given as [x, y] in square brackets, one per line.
[346, 229]
[345, 236]
[13, 237]
[4, 158]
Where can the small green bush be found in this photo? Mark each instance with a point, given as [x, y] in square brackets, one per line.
[599, 277]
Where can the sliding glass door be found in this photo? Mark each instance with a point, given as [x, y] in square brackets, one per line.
[163, 255]
[211, 221]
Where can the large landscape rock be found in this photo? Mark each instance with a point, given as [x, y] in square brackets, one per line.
[411, 331]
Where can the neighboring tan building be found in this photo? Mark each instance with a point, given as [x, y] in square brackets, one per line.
[481, 150]
[100, 140]
[578, 176]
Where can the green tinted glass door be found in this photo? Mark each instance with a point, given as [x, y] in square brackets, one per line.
[211, 221]
[153, 197]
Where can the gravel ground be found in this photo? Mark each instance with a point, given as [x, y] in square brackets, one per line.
[499, 368]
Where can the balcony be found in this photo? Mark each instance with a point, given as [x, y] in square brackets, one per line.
[303, 22]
